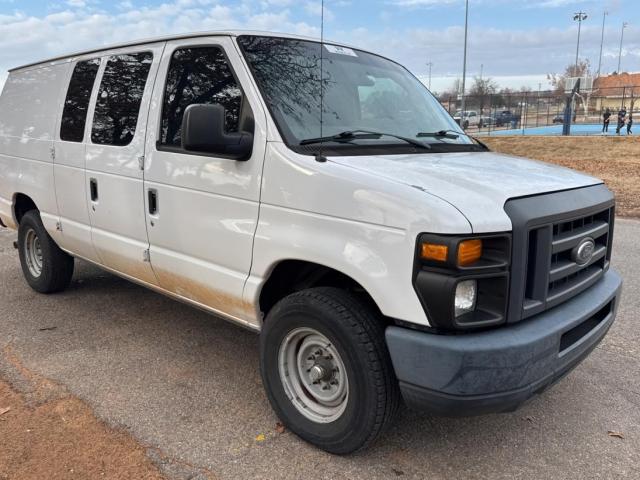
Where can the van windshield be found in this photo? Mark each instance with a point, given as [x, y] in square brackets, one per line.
[361, 92]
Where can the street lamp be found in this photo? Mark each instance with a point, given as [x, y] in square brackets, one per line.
[464, 61]
[579, 17]
[624, 25]
[604, 17]
[430, 64]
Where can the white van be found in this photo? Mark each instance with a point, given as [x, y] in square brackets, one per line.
[380, 252]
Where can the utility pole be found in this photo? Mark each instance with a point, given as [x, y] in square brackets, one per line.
[604, 17]
[481, 70]
[624, 25]
[430, 64]
[579, 17]
[464, 61]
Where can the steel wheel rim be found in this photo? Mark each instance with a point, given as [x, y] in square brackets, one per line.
[313, 375]
[33, 253]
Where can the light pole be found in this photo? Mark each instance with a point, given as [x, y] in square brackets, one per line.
[579, 17]
[430, 64]
[604, 17]
[624, 25]
[464, 60]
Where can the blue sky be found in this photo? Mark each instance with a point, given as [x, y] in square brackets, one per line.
[516, 42]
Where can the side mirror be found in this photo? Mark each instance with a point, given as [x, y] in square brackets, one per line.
[203, 131]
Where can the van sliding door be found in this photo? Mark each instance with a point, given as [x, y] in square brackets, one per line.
[69, 167]
[114, 159]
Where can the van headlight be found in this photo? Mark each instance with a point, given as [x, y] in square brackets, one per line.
[463, 280]
[465, 299]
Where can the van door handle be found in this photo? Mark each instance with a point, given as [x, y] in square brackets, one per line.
[153, 201]
[93, 188]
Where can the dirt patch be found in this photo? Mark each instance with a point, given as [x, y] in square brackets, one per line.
[203, 294]
[48, 434]
[616, 160]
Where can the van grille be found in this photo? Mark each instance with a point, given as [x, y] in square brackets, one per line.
[546, 230]
[552, 275]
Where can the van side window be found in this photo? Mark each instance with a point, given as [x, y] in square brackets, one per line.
[198, 75]
[74, 113]
[119, 98]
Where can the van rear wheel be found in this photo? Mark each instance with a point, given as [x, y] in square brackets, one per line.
[46, 268]
[326, 369]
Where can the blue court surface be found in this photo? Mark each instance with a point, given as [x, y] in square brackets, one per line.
[577, 129]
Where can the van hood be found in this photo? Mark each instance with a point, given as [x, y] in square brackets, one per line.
[477, 184]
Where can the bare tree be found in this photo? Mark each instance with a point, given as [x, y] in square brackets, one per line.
[481, 91]
[558, 81]
[451, 92]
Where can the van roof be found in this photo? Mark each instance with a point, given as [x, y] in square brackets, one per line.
[165, 38]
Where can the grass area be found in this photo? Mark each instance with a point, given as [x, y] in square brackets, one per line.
[616, 160]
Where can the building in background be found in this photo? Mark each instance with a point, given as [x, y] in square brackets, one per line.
[617, 90]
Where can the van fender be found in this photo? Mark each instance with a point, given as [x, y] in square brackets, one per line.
[378, 258]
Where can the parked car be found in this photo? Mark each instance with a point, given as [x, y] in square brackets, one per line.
[486, 120]
[392, 257]
[558, 119]
[469, 119]
[506, 117]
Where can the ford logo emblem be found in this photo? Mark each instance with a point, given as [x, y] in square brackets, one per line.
[583, 252]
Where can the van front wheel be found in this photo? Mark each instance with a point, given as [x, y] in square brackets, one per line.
[326, 369]
[46, 268]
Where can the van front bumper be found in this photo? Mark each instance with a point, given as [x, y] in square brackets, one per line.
[498, 370]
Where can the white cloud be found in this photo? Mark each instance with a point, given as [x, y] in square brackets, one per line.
[314, 9]
[422, 3]
[76, 3]
[278, 3]
[28, 38]
[508, 54]
[554, 3]
[527, 4]
[503, 51]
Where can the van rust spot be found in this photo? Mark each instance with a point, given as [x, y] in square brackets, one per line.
[180, 285]
[134, 268]
[204, 294]
[8, 221]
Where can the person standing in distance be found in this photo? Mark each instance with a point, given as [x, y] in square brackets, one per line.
[605, 120]
[622, 113]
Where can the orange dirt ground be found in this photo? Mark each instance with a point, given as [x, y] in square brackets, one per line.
[616, 160]
[48, 434]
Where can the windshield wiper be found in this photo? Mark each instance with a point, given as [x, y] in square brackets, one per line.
[440, 134]
[363, 134]
[451, 134]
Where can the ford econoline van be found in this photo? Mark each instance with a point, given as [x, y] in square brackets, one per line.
[320, 195]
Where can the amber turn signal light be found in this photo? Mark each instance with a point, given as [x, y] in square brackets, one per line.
[434, 251]
[469, 252]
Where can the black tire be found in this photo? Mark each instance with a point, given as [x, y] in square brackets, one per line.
[56, 266]
[465, 125]
[357, 333]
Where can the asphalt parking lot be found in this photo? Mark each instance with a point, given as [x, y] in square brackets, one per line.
[187, 385]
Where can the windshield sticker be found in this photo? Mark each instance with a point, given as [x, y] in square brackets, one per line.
[340, 50]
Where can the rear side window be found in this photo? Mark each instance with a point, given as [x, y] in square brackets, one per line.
[74, 114]
[119, 98]
[198, 75]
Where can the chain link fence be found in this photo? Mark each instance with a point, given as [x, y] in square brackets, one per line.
[543, 112]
